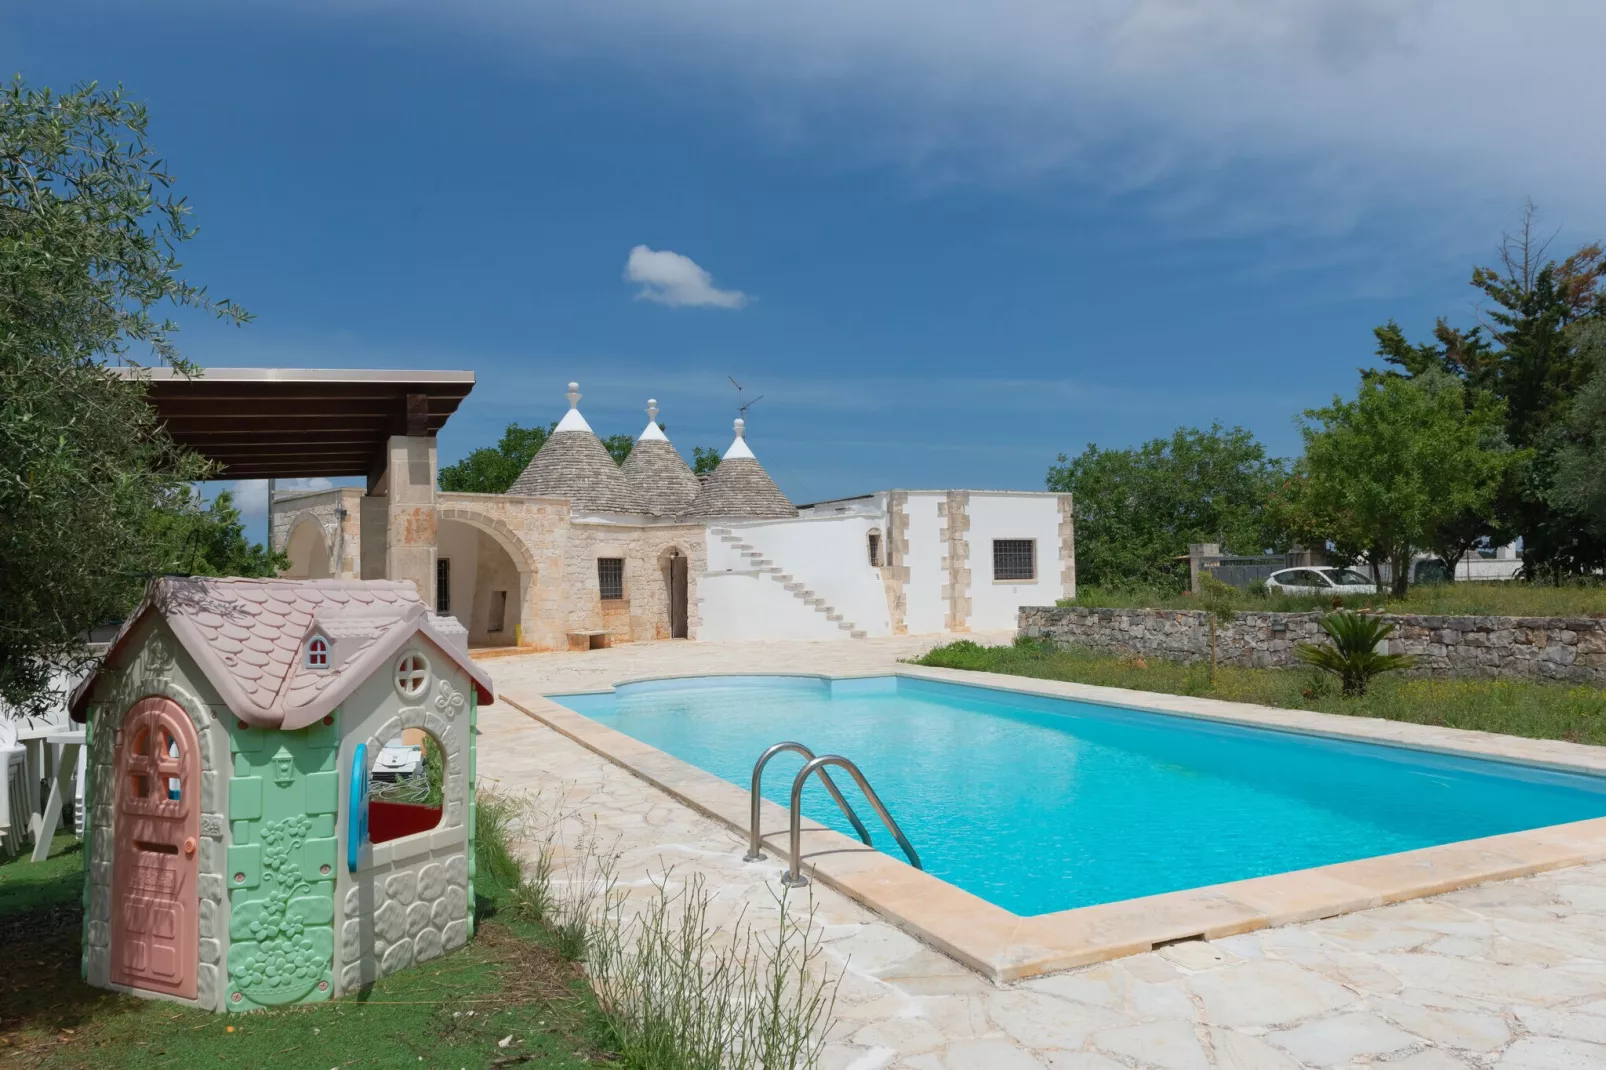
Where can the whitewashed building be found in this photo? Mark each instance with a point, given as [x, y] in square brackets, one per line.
[583, 551]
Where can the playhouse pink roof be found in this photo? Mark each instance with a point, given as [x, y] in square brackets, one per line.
[248, 637]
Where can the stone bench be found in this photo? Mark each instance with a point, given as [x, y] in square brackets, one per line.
[596, 640]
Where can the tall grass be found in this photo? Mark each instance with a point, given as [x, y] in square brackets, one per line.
[683, 993]
[676, 991]
[1495, 599]
[1531, 708]
[496, 864]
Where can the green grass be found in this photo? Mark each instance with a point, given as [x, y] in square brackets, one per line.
[1513, 707]
[451, 1012]
[1508, 599]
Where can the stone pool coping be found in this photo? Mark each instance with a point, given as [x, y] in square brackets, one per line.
[1007, 947]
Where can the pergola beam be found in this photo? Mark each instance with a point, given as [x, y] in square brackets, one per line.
[278, 423]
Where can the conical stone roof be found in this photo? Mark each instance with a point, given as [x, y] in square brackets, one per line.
[658, 473]
[740, 487]
[574, 464]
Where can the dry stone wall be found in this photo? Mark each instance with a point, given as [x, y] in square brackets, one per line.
[1546, 648]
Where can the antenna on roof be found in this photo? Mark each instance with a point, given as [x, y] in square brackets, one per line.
[744, 404]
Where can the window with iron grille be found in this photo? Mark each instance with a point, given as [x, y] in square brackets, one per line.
[1014, 559]
[875, 548]
[443, 585]
[611, 577]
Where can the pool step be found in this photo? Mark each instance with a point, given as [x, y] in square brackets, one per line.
[790, 584]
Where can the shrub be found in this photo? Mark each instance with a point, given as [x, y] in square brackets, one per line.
[1352, 653]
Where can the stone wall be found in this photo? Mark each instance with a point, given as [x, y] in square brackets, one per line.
[337, 517]
[554, 556]
[1548, 648]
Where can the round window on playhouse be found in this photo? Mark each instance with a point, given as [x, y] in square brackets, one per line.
[412, 675]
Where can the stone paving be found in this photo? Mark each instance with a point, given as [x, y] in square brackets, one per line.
[1509, 975]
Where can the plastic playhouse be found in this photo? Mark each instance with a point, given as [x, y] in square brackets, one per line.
[242, 854]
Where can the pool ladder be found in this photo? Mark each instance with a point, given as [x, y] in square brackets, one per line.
[794, 877]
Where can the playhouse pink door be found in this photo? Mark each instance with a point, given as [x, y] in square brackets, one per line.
[154, 900]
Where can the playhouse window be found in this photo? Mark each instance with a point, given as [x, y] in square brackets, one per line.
[317, 652]
[412, 674]
[406, 786]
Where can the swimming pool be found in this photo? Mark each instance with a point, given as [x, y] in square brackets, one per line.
[1040, 804]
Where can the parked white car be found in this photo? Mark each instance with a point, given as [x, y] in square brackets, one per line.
[1324, 580]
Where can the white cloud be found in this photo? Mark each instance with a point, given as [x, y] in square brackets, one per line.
[671, 279]
[1233, 114]
[251, 495]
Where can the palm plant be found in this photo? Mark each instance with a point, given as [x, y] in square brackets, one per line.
[1353, 656]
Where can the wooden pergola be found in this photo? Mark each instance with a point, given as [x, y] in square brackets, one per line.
[286, 423]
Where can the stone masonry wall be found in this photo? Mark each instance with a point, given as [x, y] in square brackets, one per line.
[338, 514]
[1546, 648]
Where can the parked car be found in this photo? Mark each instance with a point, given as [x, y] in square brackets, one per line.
[1320, 580]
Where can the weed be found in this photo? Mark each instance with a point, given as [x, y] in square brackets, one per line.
[682, 992]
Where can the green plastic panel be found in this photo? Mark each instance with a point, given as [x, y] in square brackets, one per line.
[281, 867]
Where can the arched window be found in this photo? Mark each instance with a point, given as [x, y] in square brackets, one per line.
[875, 548]
[406, 788]
[317, 652]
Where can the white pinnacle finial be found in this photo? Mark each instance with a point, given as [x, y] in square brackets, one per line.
[652, 409]
[572, 420]
[738, 446]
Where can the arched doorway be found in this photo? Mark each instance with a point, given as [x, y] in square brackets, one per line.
[479, 581]
[307, 550]
[673, 564]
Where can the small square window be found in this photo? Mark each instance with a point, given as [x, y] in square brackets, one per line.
[317, 652]
[611, 578]
[1014, 559]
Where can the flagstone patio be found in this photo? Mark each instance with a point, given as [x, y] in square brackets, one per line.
[1511, 974]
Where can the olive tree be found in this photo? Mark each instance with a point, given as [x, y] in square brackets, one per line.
[92, 491]
[1383, 475]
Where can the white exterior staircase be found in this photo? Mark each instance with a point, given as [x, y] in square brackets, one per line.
[800, 591]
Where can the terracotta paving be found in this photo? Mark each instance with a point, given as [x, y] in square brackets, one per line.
[1510, 975]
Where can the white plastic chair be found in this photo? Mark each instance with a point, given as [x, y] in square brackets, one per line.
[14, 776]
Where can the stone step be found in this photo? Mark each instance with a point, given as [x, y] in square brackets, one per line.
[856, 634]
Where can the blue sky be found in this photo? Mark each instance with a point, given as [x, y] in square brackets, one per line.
[945, 241]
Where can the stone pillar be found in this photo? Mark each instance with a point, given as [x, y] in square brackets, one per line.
[411, 520]
[1067, 555]
[1197, 553]
[895, 571]
[953, 514]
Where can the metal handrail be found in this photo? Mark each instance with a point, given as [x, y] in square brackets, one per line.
[794, 878]
[755, 852]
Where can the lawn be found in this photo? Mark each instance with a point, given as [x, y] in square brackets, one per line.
[508, 983]
[1510, 599]
[1576, 713]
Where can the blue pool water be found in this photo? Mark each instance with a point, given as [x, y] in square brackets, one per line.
[1041, 804]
